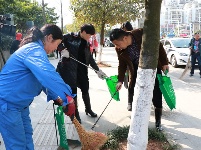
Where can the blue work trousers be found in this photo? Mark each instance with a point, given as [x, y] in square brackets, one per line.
[16, 128]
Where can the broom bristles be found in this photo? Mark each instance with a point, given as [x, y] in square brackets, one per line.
[90, 140]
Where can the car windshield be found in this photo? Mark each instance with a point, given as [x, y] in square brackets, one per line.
[181, 43]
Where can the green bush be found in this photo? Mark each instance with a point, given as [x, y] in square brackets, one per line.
[154, 134]
[120, 134]
[115, 136]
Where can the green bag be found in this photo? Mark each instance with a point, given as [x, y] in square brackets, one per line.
[167, 90]
[111, 83]
[61, 128]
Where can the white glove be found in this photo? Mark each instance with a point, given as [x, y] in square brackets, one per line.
[101, 74]
[118, 86]
[65, 53]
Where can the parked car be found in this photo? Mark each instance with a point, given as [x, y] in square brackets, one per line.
[108, 43]
[177, 50]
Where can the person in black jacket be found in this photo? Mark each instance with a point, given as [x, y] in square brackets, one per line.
[195, 47]
[76, 74]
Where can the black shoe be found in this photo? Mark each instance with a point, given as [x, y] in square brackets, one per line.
[91, 113]
[158, 114]
[87, 103]
[191, 75]
[129, 107]
[159, 128]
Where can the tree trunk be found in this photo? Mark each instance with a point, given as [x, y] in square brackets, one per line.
[141, 107]
[101, 42]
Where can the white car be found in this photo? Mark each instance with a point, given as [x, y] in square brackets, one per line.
[177, 50]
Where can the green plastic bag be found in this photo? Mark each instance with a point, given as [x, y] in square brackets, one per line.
[61, 128]
[111, 83]
[167, 90]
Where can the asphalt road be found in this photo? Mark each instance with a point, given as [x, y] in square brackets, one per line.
[176, 73]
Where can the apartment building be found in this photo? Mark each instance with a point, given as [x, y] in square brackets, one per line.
[181, 16]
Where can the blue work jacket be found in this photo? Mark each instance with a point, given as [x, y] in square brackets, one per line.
[26, 73]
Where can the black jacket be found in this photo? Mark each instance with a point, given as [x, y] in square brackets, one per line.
[14, 46]
[67, 68]
[191, 44]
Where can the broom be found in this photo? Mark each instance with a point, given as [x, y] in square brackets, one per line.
[90, 140]
[188, 66]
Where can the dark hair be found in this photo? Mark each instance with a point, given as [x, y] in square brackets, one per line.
[118, 34]
[127, 25]
[35, 34]
[88, 28]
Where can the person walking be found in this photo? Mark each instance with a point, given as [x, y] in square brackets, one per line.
[94, 45]
[58, 52]
[128, 47]
[75, 74]
[15, 44]
[26, 73]
[195, 47]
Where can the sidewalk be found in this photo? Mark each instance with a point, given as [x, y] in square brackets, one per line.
[183, 124]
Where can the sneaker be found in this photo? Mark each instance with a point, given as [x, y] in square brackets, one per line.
[191, 75]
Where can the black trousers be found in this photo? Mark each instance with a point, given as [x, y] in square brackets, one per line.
[195, 56]
[58, 53]
[157, 94]
[83, 80]
[94, 52]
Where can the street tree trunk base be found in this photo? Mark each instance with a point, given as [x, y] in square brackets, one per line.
[102, 64]
[141, 108]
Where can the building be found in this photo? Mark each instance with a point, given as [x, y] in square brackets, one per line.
[182, 16]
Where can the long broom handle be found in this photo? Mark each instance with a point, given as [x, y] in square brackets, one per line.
[85, 65]
[55, 123]
[103, 111]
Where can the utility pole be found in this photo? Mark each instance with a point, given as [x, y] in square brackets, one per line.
[43, 7]
[61, 17]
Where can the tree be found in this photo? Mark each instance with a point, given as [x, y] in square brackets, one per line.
[102, 12]
[24, 10]
[141, 108]
[74, 27]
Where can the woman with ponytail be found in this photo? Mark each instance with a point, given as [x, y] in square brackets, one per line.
[26, 73]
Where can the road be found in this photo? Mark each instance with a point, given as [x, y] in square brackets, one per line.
[176, 73]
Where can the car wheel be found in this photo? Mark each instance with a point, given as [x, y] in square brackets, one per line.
[174, 61]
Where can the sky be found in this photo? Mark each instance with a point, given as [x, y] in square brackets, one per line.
[67, 15]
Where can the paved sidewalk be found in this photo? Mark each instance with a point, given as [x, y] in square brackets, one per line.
[183, 124]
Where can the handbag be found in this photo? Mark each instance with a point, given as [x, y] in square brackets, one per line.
[167, 90]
